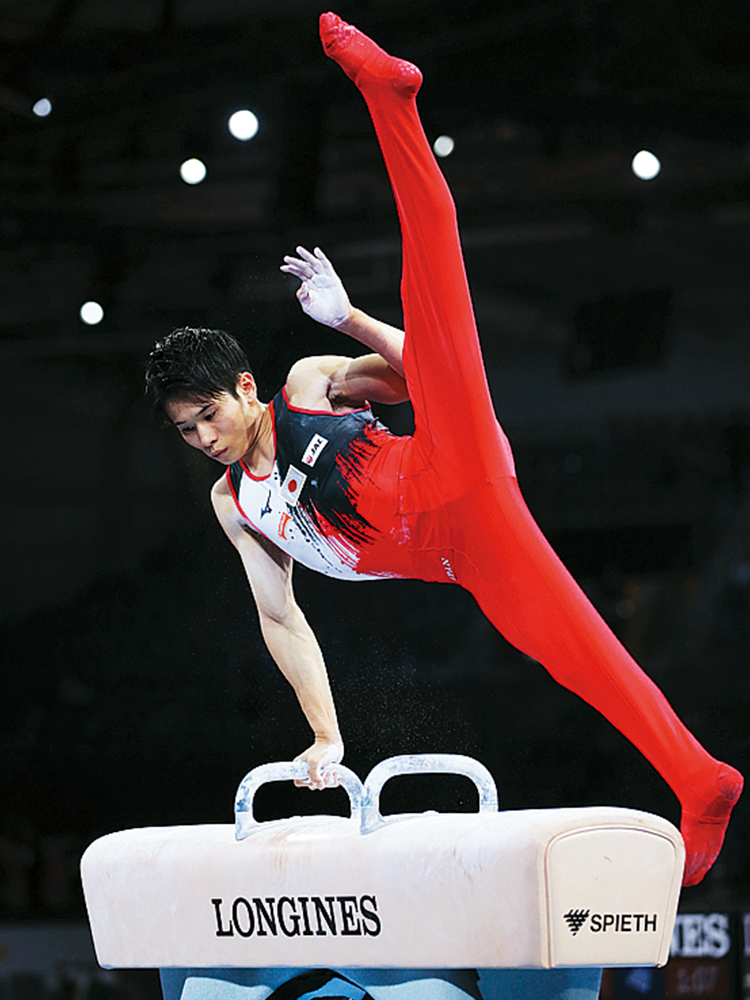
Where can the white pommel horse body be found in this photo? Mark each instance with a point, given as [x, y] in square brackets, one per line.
[539, 889]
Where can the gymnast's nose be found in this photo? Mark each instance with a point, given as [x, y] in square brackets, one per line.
[206, 435]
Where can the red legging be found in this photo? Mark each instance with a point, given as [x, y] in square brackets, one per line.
[459, 503]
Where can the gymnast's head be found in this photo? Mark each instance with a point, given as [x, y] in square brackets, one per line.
[200, 381]
[194, 365]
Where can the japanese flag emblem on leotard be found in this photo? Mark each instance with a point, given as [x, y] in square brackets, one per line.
[291, 488]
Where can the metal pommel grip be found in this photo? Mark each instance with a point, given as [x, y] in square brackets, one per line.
[245, 821]
[427, 763]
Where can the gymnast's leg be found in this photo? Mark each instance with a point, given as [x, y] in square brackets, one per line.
[454, 418]
[502, 556]
[530, 597]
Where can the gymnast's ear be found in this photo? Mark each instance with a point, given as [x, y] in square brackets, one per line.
[246, 387]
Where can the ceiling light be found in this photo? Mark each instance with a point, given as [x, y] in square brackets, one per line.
[243, 125]
[443, 145]
[42, 108]
[91, 313]
[193, 171]
[645, 165]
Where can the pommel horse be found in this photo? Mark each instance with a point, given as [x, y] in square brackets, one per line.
[406, 902]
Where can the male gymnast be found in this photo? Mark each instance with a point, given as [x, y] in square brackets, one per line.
[314, 477]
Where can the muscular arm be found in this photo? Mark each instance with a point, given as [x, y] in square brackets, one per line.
[383, 339]
[287, 635]
[341, 383]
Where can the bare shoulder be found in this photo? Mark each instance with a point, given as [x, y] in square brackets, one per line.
[223, 505]
[309, 381]
[220, 489]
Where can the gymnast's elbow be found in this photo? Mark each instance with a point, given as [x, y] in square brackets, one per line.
[284, 618]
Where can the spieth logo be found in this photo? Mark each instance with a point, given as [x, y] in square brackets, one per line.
[575, 920]
[617, 923]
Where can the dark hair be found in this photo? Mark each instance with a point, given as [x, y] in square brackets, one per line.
[193, 363]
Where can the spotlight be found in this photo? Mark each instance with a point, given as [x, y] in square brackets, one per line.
[243, 125]
[91, 313]
[645, 165]
[42, 107]
[443, 145]
[193, 171]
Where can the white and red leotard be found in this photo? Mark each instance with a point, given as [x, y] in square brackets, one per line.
[308, 504]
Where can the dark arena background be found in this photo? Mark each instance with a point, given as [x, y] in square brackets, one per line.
[614, 313]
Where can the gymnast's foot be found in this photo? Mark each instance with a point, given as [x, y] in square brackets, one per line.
[365, 62]
[703, 833]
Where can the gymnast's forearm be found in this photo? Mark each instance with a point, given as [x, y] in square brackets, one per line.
[295, 650]
[379, 337]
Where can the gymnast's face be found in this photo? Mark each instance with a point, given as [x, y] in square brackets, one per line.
[223, 427]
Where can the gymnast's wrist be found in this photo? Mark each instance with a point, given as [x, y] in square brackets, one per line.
[350, 322]
[331, 737]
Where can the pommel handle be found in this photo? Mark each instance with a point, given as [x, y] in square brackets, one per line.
[427, 763]
[245, 821]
